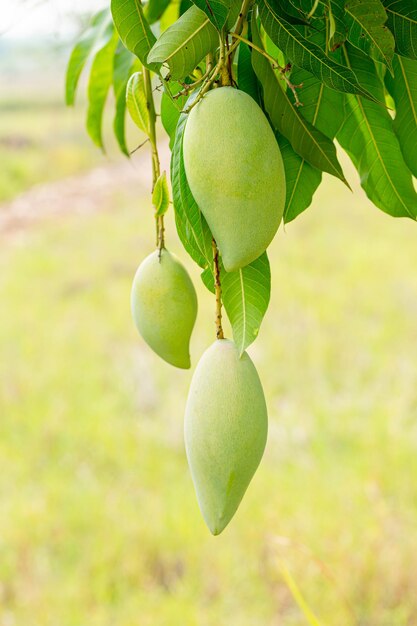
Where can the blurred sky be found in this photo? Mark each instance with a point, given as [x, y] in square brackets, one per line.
[23, 19]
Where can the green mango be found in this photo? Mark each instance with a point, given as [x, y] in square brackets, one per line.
[164, 307]
[226, 426]
[235, 172]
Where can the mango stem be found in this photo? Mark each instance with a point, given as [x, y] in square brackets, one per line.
[218, 291]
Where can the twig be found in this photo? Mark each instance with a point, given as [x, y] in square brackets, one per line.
[139, 146]
[218, 291]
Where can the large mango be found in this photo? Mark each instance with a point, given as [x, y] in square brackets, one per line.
[226, 426]
[164, 307]
[235, 172]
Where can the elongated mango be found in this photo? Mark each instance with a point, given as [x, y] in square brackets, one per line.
[235, 172]
[164, 307]
[226, 426]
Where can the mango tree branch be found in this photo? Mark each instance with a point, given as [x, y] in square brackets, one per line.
[218, 291]
[156, 167]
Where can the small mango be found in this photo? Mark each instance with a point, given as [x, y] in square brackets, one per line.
[226, 425]
[164, 307]
[235, 172]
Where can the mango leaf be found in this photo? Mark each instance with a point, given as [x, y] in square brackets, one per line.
[245, 294]
[207, 277]
[122, 68]
[216, 10]
[403, 88]
[101, 77]
[306, 54]
[184, 44]
[246, 76]
[402, 22]
[133, 29]
[136, 101]
[154, 10]
[192, 228]
[306, 140]
[302, 180]
[368, 137]
[82, 50]
[337, 24]
[160, 195]
[367, 30]
[171, 111]
[323, 108]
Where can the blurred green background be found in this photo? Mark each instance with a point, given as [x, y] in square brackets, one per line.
[99, 524]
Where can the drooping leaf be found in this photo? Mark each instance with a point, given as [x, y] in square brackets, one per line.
[171, 111]
[246, 76]
[337, 24]
[246, 294]
[302, 180]
[133, 29]
[207, 277]
[160, 195]
[402, 22]
[367, 29]
[403, 88]
[323, 108]
[216, 10]
[82, 50]
[306, 140]
[184, 44]
[122, 68]
[154, 10]
[192, 228]
[136, 101]
[368, 137]
[306, 54]
[101, 77]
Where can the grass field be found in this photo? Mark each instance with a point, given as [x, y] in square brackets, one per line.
[98, 520]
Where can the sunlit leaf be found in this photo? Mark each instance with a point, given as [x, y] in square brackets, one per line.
[184, 44]
[101, 78]
[368, 137]
[122, 67]
[154, 10]
[136, 101]
[216, 10]
[91, 39]
[160, 195]
[246, 294]
[133, 29]
[403, 88]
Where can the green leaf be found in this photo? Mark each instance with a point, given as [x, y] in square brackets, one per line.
[337, 24]
[323, 108]
[160, 195]
[306, 54]
[134, 29]
[368, 32]
[306, 140]
[216, 10]
[136, 101]
[403, 88]
[82, 50]
[207, 277]
[368, 137]
[245, 295]
[302, 180]
[192, 228]
[246, 77]
[184, 44]
[154, 10]
[402, 22]
[101, 77]
[122, 68]
[171, 111]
